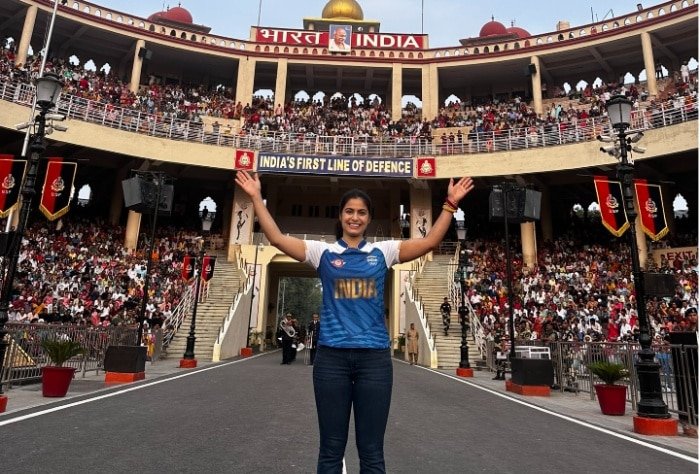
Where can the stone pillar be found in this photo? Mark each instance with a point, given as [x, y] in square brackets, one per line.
[136, 67]
[245, 81]
[26, 38]
[396, 91]
[429, 92]
[649, 64]
[117, 203]
[421, 212]
[528, 240]
[242, 218]
[133, 223]
[281, 82]
[537, 86]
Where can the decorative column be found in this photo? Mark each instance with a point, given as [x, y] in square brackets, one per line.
[281, 82]
[26, 38]
[133, 223]
[396, 91]
[242, 218]
[421, 213]
[536, 85]
[136, 67]
[528, 239]
[649, 64]
[429, 92]
[245, 81]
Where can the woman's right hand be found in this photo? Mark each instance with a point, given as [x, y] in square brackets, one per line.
[249, 184]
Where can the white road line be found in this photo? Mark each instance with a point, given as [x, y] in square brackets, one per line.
[567, 418]
[119, 392]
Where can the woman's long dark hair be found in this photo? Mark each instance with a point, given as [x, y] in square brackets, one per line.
[352, 194]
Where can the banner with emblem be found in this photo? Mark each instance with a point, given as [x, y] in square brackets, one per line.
[56, 191]
[612, 205]
[245, 160]
[426, 167]
[651, 209]
[208, 263]
[11, 174]
[187, 268]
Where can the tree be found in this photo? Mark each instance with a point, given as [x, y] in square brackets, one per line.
[302, 297]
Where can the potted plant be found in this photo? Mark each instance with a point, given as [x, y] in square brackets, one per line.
[256, 338]
[55, 379]
[611, 397]
[401, 343]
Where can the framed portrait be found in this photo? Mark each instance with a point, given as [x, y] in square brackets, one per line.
[340, 38]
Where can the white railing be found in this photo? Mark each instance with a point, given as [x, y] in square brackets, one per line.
[549, 134]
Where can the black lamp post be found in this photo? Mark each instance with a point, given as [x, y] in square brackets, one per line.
[651, 404]
[48, 90]
[462, 311]
[188, 357]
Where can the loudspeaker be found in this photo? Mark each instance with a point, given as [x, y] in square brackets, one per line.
[522, 205]
[145, 54]
[659, 284]
[125, 359]
[140, 196]
[532, 371]
[532, 205]
[532, 69]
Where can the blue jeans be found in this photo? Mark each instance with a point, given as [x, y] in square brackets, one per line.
[360, 379]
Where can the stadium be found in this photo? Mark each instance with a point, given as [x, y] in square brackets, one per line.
[168, 101]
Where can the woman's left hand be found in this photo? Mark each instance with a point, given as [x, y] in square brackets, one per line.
[457, 191]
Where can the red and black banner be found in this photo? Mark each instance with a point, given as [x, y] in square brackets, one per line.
[612, 205]
[57, 189]
[651, 209]
[188, 268]
[208, 263]
[11, 174]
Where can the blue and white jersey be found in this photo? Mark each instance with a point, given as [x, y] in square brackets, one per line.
[352, 315]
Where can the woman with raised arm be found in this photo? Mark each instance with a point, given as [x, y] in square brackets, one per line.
[353, 368]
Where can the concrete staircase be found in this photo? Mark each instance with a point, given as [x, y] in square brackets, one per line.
[432, 286]
[222, 289]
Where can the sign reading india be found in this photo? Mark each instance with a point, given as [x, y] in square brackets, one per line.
[359, 40]
[335, 165]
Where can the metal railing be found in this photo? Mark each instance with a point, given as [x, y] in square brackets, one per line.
[24, 356]
[168, 127]
[571, 374]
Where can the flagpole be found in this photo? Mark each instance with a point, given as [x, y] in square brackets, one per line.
[422, 11]
[259, 10]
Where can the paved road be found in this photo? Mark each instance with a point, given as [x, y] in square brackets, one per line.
[256, 416]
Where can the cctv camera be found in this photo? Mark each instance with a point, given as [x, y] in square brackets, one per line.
[605, 138]
[22, 126]
[636, 137]
[639, 149]
[57, 117]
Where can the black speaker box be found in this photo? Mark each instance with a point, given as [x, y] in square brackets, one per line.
[532, 69]
[659, 284]
[140, 196]
[532, 371]
[523, 205]
[145, 54]
[125, 359]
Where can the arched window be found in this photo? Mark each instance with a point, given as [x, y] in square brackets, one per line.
[98, 13]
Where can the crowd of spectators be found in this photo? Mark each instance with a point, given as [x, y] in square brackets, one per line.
[580, 290]
[481, 125]
[80, 273]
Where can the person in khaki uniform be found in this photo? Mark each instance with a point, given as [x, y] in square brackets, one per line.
[412, 344]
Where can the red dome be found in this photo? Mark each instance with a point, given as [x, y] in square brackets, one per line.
[492, 28]
[521, 33]
[176, 14]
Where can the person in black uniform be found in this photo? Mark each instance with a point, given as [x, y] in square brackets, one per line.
[445, 310]
[288, 338]
[312, 331]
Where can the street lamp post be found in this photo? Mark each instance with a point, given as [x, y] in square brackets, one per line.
[464, 369]
[651, 404]
[48, 89]
[188, 359]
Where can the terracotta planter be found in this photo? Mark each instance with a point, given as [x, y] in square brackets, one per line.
[612, 398]
[56, 380]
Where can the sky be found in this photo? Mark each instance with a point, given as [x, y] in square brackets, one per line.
[445, 21]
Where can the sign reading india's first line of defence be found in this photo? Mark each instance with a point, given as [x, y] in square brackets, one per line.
[335, 165]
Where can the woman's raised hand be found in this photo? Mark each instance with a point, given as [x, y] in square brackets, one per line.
[249, 184]
[457, 191]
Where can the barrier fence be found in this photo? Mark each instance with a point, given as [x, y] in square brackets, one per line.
[652, 115]
[679, 372]
[24, 356]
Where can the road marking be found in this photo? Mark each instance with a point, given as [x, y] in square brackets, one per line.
[567, 418]
[119, 392]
